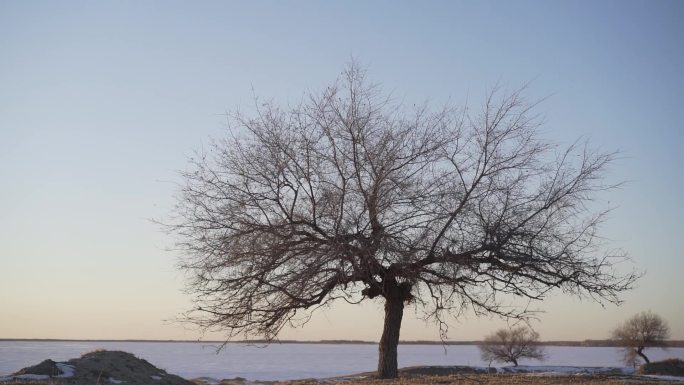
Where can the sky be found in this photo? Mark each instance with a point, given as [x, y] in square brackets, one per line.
[103, 103]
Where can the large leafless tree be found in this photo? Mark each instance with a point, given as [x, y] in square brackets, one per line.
[349, 195]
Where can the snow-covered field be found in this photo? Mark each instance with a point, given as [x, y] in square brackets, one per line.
[291, 361]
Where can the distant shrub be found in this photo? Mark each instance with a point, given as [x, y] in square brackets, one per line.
[669, 367]
[510, 345]
[100, 350]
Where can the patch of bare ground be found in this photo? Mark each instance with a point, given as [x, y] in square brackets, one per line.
[502, 379]
[669, 367]
[21, 382]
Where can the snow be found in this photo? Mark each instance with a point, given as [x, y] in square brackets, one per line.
[67, 370]
[156, 378]
[297, 361]
[579, 370]
[566, 369]
[115, 381]
[210, 380]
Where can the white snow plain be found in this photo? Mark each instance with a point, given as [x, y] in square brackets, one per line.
[294, 361]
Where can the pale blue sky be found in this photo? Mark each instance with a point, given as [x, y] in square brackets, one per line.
[101, 103]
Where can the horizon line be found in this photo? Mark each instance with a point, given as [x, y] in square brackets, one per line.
[595, 342]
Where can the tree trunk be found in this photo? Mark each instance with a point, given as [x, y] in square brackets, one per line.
[387, 360]
[640, 352]
[515, 362]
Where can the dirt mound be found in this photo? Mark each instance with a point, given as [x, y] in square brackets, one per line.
[45, 368]
[670, 367]
[99, 367]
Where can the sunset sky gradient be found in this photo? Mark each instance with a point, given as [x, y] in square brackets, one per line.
[102, 104]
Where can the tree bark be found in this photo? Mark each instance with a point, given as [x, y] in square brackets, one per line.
[640, 352]
[394, 311]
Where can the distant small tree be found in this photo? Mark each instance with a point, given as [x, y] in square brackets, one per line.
[510, 345]
[643, 330]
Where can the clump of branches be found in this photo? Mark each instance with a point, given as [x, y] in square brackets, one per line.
[349, 195]
[643, 330]
[510, 345]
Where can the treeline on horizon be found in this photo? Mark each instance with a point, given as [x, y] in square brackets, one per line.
[584, 343]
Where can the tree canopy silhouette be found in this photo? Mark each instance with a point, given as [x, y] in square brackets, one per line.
[350, 195]
[643, 330]
[510, 345]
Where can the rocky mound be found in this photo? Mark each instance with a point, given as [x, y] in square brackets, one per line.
[99, 367]
[670, 367]
[46, 368]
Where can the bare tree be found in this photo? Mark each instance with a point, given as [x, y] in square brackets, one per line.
[348, 195]
[643, 330]
[510, 345]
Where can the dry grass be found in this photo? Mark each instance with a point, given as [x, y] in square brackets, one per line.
[26, 382]
[98, 350]
[670, 367]
[504, 379]
[472, 379]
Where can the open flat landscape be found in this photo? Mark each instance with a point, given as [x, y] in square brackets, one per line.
[293, 361]
[460, 379]
[517, 379]
[341, 192]
[484, 379]
[300, 364]
[513, 379]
